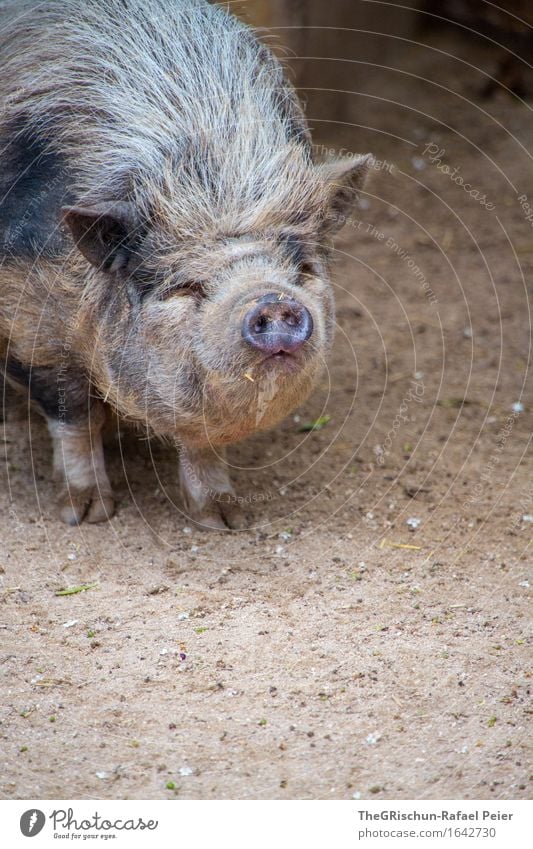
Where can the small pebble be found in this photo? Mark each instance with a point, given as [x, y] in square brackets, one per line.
[186, 770]
[468, 332]
[372, 739]
[70, 623]
[182, 616]
[413, 523]
[102, 775]
[517, 407]
[187, 530]
[527, 517]
[524, 584]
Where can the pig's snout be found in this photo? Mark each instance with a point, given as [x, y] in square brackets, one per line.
[277, 325]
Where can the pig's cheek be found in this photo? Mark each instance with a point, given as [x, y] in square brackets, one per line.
[323, 308]
[213, 340]
[170, 322]
[213, 356]
[321, 292]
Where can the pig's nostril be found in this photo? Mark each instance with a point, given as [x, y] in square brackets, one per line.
[275, 326]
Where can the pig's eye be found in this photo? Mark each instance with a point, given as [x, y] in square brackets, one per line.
[180, 290]
[308, 269]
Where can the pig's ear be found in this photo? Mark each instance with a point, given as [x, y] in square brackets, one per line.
[104, 232]
[346, 178]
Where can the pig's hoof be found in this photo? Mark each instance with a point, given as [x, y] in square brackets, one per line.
[220, 516]
[91, 504]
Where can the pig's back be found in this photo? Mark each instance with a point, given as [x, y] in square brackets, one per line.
[118, 91]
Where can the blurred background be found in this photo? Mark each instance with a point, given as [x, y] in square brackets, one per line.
[343, 50]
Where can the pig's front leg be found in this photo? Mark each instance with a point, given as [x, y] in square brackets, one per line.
[210, 501]
[79, 463]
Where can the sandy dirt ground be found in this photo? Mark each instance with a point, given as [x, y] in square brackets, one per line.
[368, 636]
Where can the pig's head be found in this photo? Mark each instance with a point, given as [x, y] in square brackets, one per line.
[212, 302]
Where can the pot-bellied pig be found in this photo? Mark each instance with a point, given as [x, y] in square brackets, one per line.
[164, 235]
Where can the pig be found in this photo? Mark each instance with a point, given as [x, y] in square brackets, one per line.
[165, 236]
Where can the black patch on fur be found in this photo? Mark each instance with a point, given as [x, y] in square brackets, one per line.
[61, 393]
[33, 188]
[295, 249]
